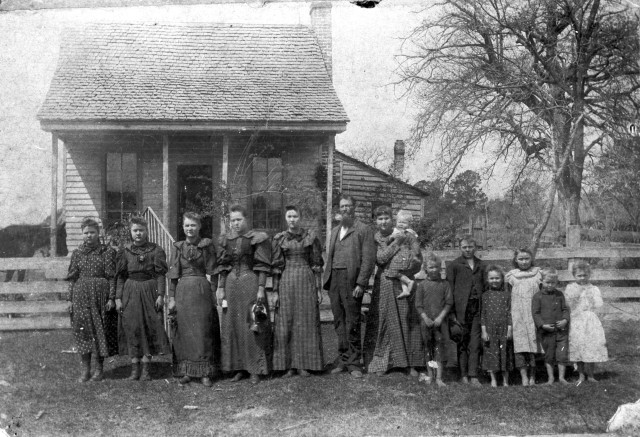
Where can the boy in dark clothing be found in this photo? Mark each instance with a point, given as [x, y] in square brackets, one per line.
[551, 317]
[466, 279]
[433, 302]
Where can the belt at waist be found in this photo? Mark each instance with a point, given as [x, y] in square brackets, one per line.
[140, 277]
[339, 268]
[201, 275]
[91, 277]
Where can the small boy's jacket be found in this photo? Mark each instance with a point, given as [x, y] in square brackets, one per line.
[549, 307]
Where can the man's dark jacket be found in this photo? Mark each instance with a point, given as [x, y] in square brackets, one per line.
[362, 254]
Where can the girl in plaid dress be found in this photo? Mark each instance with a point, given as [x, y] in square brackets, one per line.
[92, 289]
[297, 272]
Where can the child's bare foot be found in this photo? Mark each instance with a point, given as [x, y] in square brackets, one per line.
[532, 380]
[525, 382]
[592, 379]
[549, 382]
[406, 291]
[475, 381]
[440, 383]
[581, 379]
[424, 378]
[563, 381]
[494, 383]
[464, 380]
[505, 383]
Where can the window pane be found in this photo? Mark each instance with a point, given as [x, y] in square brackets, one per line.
[259, 164]
[259, 182]
[122, 184]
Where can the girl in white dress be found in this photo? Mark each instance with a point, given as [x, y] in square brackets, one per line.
[524, 281]
[587, 344]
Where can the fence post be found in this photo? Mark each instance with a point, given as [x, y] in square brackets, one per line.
[573, 242]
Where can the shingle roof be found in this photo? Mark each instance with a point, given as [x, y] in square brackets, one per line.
[191, 72]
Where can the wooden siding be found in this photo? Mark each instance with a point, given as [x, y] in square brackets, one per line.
[369, 186]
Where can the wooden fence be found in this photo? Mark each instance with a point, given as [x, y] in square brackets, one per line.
[40, 302]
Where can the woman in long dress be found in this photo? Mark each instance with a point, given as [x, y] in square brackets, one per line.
[140, 290]
[196, 341]
[243, 265]
[92, 289]
[297, 272]
[392, 336]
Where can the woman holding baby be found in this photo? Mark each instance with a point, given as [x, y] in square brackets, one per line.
[392, 337]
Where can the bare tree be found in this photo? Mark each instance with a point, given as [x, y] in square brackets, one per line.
[540, 81]
[372, 154]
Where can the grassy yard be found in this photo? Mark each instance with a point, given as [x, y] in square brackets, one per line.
[39, 396]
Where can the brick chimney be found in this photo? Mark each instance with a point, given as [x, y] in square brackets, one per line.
[398, 159]
[320, 13]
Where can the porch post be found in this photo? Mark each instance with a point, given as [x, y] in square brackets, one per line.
[165, 179]
[54, 196]
[224, 175]
[330, 146]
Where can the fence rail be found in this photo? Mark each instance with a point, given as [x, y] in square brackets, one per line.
[40, 304]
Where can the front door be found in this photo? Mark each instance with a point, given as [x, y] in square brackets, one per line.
[194, 194]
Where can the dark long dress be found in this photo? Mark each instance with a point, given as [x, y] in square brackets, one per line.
[92, 273]
[496, 317]
[196, 341]
[245, 260]
[298, 341]
[141, 278]
[392, 337]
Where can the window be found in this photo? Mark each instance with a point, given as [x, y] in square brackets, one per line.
[266, 193]
[122, 185]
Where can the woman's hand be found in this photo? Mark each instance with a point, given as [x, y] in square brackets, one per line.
[220, 296]
[172, 305]
[319, 291]
[261, 297]
[70, 307]
[118, 305]
[437, 322]
[549, 327]
[159, 303]
[398, 236]
[485, 336]
[561, 324]
[509, 333]
[276, 299]
[110, 305]
[427, 321]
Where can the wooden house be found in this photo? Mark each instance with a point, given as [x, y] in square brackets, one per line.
[167, 115]
[373, 187]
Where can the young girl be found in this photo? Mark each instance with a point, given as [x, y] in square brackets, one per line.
[496, 326]
[587, 344]
[92, 287]
[525, 281]
[140, 299]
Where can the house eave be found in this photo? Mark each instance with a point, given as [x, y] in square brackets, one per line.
[189, 126]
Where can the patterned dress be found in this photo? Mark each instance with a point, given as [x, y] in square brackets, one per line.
[496, 318]
[141, 278]
[586, 335]
[524, 284]
[196, 330]
[392, 337]
[298, 342]
[247, 260]
[92, 273]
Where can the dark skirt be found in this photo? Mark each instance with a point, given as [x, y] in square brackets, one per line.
[242, 348]
[141, 330]
[94, 329]
[298, 342]
[392, 336]
[196, 341]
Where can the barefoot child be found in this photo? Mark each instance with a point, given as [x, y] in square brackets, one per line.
[551, 316]
[403, 219]
[587, 344]
[524, 282]
[496, 326]
[140, 292]
[433, 302]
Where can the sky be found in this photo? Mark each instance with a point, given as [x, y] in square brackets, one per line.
[366, 43]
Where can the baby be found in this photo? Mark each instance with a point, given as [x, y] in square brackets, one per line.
[403, 219]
